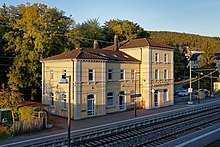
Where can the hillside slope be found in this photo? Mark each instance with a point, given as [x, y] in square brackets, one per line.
[181, 40]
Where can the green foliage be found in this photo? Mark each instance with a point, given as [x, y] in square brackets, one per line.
[180, 40]
[5, 132]
[37, 33]
[209, 45]
[26, 113]
[89, 29]
[125, 29]
[10, 98]
[207, 56]
[179, 67]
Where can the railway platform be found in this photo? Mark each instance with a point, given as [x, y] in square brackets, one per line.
[60, 123]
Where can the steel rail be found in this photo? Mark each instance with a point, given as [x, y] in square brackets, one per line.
[109, 129]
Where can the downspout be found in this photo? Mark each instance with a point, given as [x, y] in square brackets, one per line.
[42, 82]
[150, 82]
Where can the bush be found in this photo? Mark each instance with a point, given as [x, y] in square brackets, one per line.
[5, 132]
[26, 113]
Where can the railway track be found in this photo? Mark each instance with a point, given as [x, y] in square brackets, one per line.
[157, 132]
[150, 130]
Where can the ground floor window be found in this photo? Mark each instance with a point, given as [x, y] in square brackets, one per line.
[52, 98]
[90, 104]
[64, 106]
[122, 100]
[165, 95]
[110, 99]
[156, 95]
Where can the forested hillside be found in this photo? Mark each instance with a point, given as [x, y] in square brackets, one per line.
[180, 40]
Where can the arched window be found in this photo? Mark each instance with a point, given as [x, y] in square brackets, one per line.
[90, 104]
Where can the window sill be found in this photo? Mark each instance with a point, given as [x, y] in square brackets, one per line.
[167, 101]
[109, 107]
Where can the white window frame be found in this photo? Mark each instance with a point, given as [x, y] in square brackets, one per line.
[165, 58]
[122, 74]
[91, 71]
[157, 57]
[64, 103]
[93, 111]
[157, 74]
[110, 71]
[165, 75]
[110, 97]
[165, 95]
[133, 74]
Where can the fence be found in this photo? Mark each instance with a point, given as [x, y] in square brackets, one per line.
[28, 126]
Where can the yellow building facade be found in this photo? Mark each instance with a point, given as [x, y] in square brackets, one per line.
[102, 82]
[108, 80]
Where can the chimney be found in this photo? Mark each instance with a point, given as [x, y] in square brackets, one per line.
[95, 44]
[116, 42]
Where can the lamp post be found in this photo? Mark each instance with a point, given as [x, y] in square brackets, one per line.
[65, 81]
[199, 80]
[190, 83]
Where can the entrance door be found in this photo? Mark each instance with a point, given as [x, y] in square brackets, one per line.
[121, 100]
[156, 98]
[90, 105]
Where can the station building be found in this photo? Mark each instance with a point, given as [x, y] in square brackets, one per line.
[108, 80]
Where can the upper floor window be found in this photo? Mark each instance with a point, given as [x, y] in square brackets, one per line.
[132, 74]
[91, 74]
[110, 99]
[165, 74]
[110, 74]
[156, 74]
[157, 58]
[51, 74]
[165, 58]
[122, 74]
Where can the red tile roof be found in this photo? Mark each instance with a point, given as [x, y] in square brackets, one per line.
[138, 43]
[98, 54]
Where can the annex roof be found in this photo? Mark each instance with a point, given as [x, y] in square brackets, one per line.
[99, 54]
[138, 43]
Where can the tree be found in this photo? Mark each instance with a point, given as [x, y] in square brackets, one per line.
[179, 67]
[83, 35]
[39, 32]
[208, 56]
[125, 29]
[10, 98]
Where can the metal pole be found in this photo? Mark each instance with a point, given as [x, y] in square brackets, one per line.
[69, 111]
[190, 83]
[198, 82]
[211, 84]
[135, 109]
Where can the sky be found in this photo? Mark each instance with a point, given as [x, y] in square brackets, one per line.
[200, 17]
